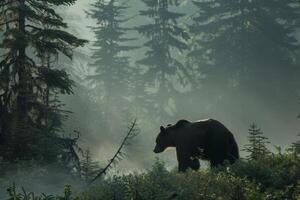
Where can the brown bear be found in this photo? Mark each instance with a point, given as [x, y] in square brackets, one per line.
[206, 139]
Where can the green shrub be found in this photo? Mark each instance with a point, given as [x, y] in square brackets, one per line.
[271, 177]
[277, 174]
[13, 194]
[158, 183]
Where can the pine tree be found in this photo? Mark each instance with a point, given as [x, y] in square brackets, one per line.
[33, 38]
[238, 40]
[112, 66]
[257, 143]
[295, 147]
[89, 168]
[164, 73]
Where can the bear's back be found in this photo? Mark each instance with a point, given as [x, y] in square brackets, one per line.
[194, 133]
[201, 129]
[211, 128]
[211, 124]
[204, 124]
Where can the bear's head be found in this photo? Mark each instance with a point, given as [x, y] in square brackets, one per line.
[163, 140]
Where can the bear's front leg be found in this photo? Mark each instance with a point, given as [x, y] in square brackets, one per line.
[182, 158]
[183, 165]
[194, 164]
[185, 161]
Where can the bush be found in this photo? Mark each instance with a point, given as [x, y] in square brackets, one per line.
[272, 177]
[14, 195]
[158, 183]
[277, 174]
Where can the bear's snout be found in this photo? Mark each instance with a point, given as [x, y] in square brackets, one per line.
[155, 151]
[158, 149]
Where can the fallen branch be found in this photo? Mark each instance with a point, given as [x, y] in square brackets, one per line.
[132, 132]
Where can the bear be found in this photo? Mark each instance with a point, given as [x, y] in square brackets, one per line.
[204, 139]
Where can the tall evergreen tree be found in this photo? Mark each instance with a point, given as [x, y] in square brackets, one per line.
[89, 168]
[164, 74]
[236, 41]
[33, 37]
[257, 143]
[112, 66]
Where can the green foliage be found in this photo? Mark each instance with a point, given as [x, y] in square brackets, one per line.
[273, 177]
[277, 174]
[15, 195]
[30, 113]
[257, 143]
[239, 40]
[89, 168]
[295, 147]
[159, 183]
[113, 71]
[164, 72]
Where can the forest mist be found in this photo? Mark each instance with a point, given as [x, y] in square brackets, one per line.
[233, 94]
[275, 113]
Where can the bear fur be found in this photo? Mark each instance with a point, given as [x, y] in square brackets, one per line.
[206, 139]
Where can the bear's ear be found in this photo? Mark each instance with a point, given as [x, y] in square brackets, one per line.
[162, 129]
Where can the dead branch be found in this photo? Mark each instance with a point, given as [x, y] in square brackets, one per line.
[132, 132]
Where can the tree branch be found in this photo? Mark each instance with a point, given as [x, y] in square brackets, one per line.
[132, 132]
[7, 3]
[7, 22]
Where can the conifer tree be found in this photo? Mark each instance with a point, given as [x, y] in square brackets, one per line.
[295, 147]
[257, 143]
[238, 40]
[89, 168]
[164, 73]
[112, 66]
[33, 38]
